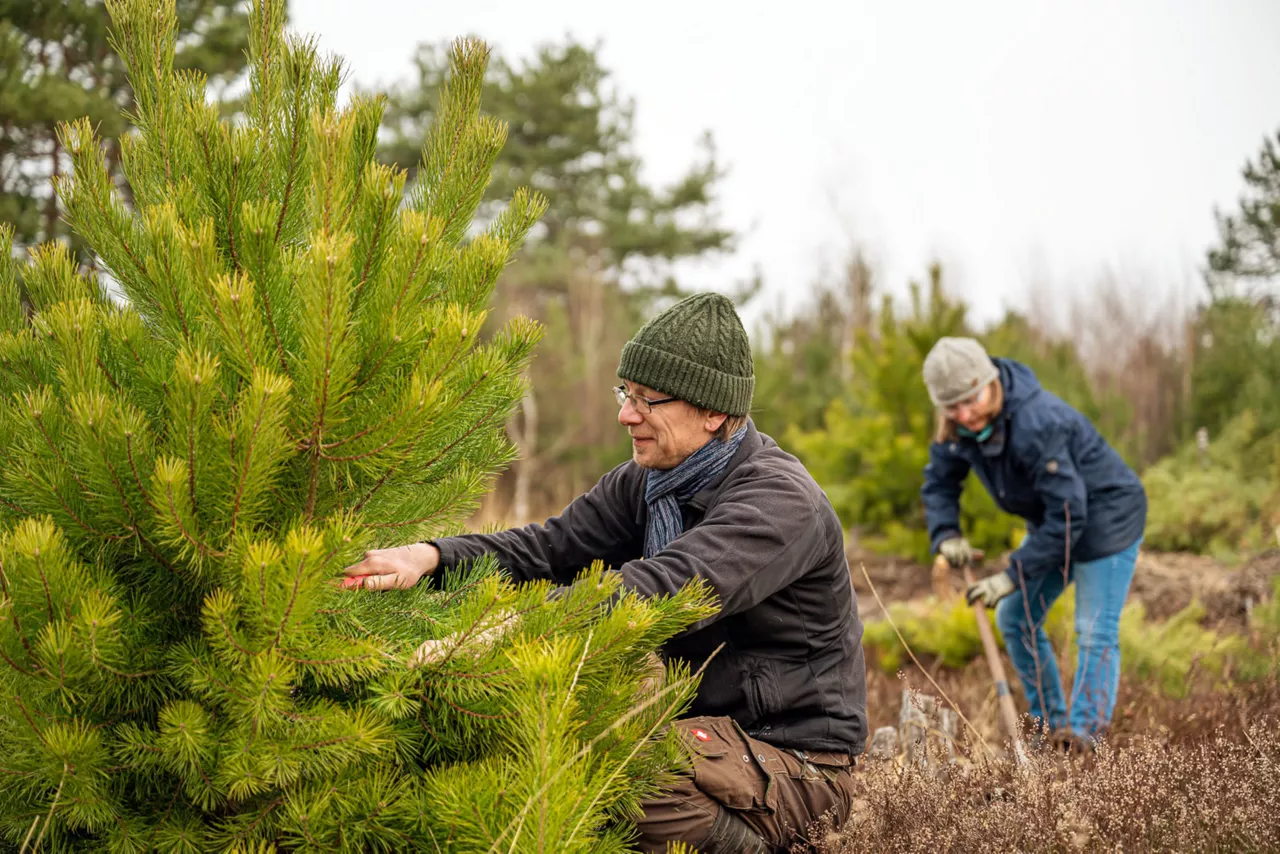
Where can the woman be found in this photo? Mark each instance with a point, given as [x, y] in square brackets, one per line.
[1085, 510]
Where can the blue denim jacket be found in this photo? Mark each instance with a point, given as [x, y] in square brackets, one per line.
[1045, 462]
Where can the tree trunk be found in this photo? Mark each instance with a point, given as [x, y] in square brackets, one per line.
[526, 467]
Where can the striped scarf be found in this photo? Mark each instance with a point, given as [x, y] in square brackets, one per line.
[665, 491]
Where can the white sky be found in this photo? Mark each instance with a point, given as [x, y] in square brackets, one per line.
[1014, 141]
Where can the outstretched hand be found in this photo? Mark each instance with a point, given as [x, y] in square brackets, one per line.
[392, 569]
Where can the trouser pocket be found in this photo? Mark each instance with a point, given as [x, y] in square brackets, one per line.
[726, 766]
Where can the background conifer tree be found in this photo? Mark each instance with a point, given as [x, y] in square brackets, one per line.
[56, 65]
[292, 376]
[600, 261]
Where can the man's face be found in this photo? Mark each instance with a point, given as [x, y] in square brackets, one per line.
[668, 434]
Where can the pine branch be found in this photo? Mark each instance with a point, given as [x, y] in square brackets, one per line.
[169, 276]
[395, 437]
[66, 508]
[293, 600]
[244, 471]
[38, 561]
[192, 421]
[172, 508]
[110, 379]
[22, 707]
[17, 627]
[329, 662]
[231, 638]
[137, 478]
[471, 430]
[52, 806]
[18, 667]
[291, 169]
[395, 308]
[231, 211]
[38, 418]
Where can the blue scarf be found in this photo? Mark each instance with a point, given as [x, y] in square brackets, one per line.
[665, 491]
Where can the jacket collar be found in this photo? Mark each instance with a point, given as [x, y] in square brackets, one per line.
[751, 443]
[1020, 385]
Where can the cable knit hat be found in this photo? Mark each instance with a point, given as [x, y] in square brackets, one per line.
[957, 368]
[697, 351]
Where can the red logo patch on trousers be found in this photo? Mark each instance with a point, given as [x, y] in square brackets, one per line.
[701, 735]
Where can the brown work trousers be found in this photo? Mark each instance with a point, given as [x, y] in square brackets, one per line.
[775, 792]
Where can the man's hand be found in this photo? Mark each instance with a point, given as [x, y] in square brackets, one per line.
[393, 569]
[991, 589]
[655, 675]
[957, 551]
[433, 651]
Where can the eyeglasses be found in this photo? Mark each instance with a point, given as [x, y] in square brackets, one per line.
[643, 405]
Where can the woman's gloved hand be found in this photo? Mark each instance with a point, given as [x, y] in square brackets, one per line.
[991, 589]
[957, 551]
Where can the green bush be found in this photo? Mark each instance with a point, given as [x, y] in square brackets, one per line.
[871, 450]
[942, 631]
[1166, 652]
[1223, 501]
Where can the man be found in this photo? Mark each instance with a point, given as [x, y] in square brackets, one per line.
[781, 709]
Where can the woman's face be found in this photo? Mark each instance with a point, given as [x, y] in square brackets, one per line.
[973, 413]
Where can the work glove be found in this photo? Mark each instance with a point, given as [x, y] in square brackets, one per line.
[957, 551]
[991, 589]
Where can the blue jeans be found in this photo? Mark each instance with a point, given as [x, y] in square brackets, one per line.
[1101, 588]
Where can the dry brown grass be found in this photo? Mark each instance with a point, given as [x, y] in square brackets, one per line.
[1197, 774]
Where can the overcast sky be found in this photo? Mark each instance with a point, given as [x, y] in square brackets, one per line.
[1014, 141]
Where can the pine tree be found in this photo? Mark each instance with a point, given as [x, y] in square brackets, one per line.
[285, 372]
[56, 65]
[1236, 363]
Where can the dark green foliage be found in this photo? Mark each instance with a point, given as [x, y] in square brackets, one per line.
[1237, 353]
[1248, 250]
[56, 65]
[571, 139]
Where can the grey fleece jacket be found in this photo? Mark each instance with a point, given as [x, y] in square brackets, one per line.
[765, 537]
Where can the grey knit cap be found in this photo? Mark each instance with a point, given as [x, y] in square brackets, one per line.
[957, 368]
[697, 351]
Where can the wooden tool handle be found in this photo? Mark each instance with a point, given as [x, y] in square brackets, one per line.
[1004, 700]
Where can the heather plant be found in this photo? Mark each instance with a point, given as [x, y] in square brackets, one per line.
[1218, 794]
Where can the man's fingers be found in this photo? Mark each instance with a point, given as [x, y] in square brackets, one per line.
[382, 582]
[360, 567]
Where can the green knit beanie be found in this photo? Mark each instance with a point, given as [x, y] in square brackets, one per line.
[697, 351]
